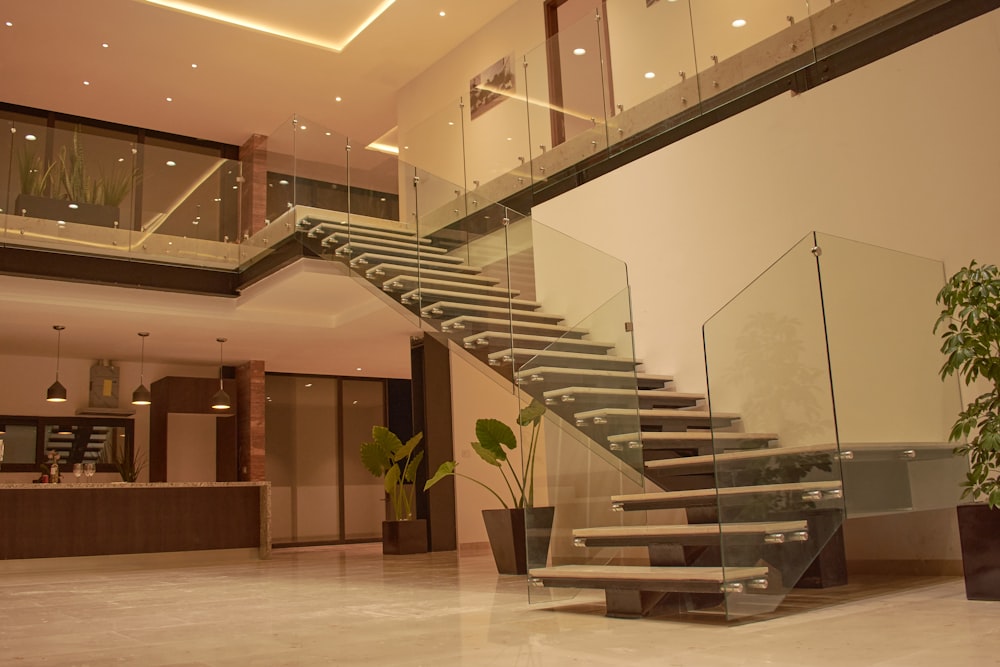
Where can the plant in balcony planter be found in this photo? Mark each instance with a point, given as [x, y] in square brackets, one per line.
[970, 319]
[514, 537]
[386, 456]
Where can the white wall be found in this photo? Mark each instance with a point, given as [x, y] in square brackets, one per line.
[191, 448]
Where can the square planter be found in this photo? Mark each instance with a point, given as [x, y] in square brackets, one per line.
[59, 209]
[404, 537]
[979, 531]
[513, 547]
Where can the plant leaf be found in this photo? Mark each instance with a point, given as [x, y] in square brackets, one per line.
[405, 450]
[410, 474]
[391, 480]
[389, 440]
[444, 470]
[375, 458]
[490, 456]
[492, 433]
[531, 414]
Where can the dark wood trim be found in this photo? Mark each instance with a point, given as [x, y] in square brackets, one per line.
[341, 460]
[554, 64]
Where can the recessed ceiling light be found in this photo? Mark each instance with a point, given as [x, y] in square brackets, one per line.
[195, 222]
[739, 23]
[354, 403]
[74, 206]
[30, 137]
[579, 51]
[649, 75]
[194, 65]
[338, 98]
[302, 127]
[358, 368]
[9, 24]
[309, 384]
[329, 133]
[451, 122]
[510, 138]
[121, 159]
[218, 199]
[104, 45]
[86, 83]
[171, 163]
[282, 182]
[439, 14]
[170, 99]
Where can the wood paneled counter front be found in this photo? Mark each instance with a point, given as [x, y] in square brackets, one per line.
[81, 519]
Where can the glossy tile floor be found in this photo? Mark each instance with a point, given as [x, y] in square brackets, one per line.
[349, 606]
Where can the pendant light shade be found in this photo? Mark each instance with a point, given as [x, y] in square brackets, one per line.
[221, 399]
[56, 393]
[141, 394]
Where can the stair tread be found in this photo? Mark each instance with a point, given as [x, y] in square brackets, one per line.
[637, 573]
[388, 268]
[489, 321]
[747, 455]
[402, 252]
[712, 492]
[692, 529]
[371, 239]
[447, 294]
[704, 435]
[317, 225]
[610, 391]
[656, 412]
[452, 284]
[375, 257]
[494, 310]
[529, 353]
[506, 336]
[558, 370]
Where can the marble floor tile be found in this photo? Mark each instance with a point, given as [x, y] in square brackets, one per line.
[352, 606]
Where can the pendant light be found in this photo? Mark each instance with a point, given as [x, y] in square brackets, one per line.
[221, 399]
[141, 394]
[57, 393]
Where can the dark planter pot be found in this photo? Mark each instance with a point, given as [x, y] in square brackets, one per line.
[404, 537]
[59, 209]
[513, 547]
[979, 530]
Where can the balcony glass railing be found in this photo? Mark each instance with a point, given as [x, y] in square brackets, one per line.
[81, 192]
[824, 388]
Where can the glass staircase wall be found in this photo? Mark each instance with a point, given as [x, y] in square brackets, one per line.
[76, 191]
[826, 404]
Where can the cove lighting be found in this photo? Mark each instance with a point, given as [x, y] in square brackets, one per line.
[383, 148]
[245, 21]
[739, 23]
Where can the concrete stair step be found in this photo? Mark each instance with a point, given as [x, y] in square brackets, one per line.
[423, 294]
[677, 419]
[403, 283]
[708, 463]
[357, 248]
[698, 534]
[318, 227]
[446, 308]
[526, 356]
[386, 272]
[558, 375]
[339, 239]
[372, 258]
[701, 440]
[464, 323]
[806, 491]
[646, 398]
[487, 339]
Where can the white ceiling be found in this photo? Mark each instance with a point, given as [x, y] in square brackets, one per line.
[303, 320]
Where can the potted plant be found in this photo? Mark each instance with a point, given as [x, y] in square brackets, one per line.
[519, 532]
[970, 318]
[386, 456]
[127, 462]
[64, 190]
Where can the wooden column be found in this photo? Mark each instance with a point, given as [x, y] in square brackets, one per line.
[251, 403]
[253, 196]
[431, 372]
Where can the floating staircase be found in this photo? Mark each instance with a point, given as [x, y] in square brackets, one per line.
[751, 505]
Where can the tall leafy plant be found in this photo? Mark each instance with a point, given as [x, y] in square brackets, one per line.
[36, 178]
[494, 440]
[970, 319]
[386, 456]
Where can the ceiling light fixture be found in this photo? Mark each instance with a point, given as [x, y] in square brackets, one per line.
[9, 24]
[30, 137]
[194, 65]
[86, 83]
[221, 399]
[245, 21]
[650, 75]
[170, 99]
[739, 23]
[338, 98]
[104, 45]
[579, 51]
[442, 14]
[141, 394]
[171, 163]
[56, 393]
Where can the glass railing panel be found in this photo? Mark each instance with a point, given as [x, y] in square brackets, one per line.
[742, 46]
[774, 456]
[281, 166]
[590, 451]
[568, 104]
[894, 414]
[9, 178]
[435, 145]
[651, 50]
[838, 25]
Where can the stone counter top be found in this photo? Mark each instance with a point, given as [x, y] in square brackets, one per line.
[127, 485]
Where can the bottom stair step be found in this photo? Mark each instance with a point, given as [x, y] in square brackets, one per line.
[664, 579]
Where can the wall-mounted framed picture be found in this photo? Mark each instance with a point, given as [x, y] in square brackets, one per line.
[491, 86]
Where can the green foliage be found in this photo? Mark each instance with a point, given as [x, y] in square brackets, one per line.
[493, 438]
[386, 456]
[127, 462]
[970, 320]
[36, 179]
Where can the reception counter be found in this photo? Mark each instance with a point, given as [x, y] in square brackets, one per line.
[81, 519]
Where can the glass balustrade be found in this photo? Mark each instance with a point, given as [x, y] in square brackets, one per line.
[826, 404]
